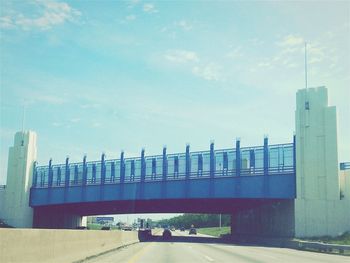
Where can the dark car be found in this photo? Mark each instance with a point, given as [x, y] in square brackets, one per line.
[182, 229]
[192, 231]
[166, 233]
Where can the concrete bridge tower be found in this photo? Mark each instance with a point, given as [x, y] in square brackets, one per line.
[15, 204]
[320, 208]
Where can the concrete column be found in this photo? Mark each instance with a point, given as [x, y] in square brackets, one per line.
[318, 208]
[22, 155]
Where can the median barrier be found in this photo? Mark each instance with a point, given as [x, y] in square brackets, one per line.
[290, 243]
[56, 245]
[321, 247]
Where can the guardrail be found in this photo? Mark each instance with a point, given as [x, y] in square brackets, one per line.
[322, 247]
[291, 243]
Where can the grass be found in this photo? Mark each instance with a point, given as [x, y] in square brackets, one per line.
[343, 239]
[98, 227]
[214, 231]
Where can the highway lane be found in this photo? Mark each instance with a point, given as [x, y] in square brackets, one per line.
[181, 250]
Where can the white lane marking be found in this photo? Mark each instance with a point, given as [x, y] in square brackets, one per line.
[208, 258]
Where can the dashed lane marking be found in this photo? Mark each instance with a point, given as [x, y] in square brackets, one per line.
[208, 258]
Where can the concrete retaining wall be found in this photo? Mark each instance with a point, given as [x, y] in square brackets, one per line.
[44, 245]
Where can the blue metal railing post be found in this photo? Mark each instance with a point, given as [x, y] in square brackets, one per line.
[112, 171]
[93, 179]
[212, 160]
[154, 168]
[35, 175]
[84, 171]
[176, 166]
[67, 173]
[165, 166]
[252, 161]
[122, 168]
[294, 154]
[132, 170]
[238, 157]
[188, 162]
[76, 174]
[103, 169]
[200, 165]
[266, 155]
[50, 174]
[143, 166]
[58, 181]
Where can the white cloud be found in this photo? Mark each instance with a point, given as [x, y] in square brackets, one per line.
[264, 64]
[96, 124]
[210, 71]
[181, 56]
[51, 14]
[130, 17]
[51, 99]
[183, 24]
[6, 22]
[90, 106]
[149, 8]
[236, 53]
[57, 124]
[291, 41]
[74, 120]
[133, 3]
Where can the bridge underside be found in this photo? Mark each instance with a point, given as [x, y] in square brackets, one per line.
[243, 197]
[259, 216]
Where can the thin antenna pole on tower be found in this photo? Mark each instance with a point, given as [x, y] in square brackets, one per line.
[23, 117]
[305, 65]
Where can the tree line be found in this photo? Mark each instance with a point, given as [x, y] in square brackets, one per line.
[197, 220]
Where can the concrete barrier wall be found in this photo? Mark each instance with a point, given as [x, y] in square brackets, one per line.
[53, 245]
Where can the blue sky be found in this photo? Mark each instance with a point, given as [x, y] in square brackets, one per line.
[101, 76]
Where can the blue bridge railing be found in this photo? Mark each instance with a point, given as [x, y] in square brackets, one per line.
[276, 159]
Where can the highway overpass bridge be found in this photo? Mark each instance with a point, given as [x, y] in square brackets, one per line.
[214, 181]
[292, 189]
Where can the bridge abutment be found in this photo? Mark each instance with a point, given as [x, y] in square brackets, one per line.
[268, 220]
[55, 218]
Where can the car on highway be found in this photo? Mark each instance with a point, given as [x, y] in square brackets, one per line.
[182, 229]
[127, 228]
[166, 233]
[192, 231]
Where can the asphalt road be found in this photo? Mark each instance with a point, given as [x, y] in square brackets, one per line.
[182, 248]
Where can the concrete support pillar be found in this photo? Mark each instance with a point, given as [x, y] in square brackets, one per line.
[15, 206]
[319, 209]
